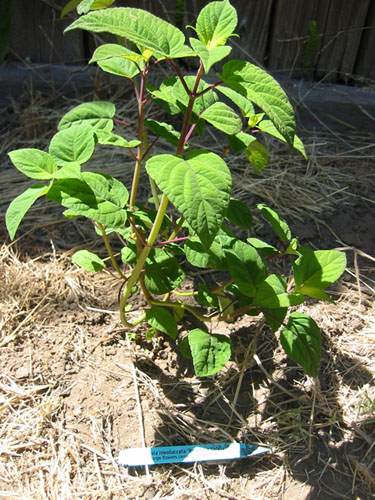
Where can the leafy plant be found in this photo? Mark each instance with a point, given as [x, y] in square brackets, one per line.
[243, 100]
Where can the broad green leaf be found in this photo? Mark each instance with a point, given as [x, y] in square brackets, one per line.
[98, 114]
[69, 7]
[75, 143]
[210, 352]
[264, 247]
[34, 163]
[163, 273]
[258, 86]
[274, 317]
[165, 97]
[213, 258]
[161, 319]
[302, 342]
[86, 5]
[247, 267]
[117, 60]
[185, 348]
[68, 171]
[110, 139]
[88, 260]
[216, 23]
[269, 128]
[129, 253]
[239, 142]
[273, 293]
[257, 155]
[209, 57]
[279, 225]
[205, 297]
[164, 130]
[314, 270]
[198, 186]
[20, 205]
[95, 196]
[239, 214]
[223, 118]
[138, 26]
[245, 105]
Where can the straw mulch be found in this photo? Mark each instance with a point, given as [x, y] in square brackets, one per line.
[73, 391]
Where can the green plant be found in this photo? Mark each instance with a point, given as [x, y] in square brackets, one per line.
[196, 182]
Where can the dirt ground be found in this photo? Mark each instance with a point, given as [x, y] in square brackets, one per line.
[74, 392]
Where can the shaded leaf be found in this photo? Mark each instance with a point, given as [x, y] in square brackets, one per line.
[161, 319]
[257, 155]
[273, 293]
[239, 214]
[302, 341]
[163, 273]
[210, 352]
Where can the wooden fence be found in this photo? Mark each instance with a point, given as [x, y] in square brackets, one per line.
[273, 33]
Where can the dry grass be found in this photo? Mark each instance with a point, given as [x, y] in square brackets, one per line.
[60, 337]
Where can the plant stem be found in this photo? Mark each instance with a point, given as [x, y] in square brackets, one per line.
[142, 257]
[110, 251]
[138, 164]
[191, 309]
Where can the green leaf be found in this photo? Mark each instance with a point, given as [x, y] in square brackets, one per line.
[198, 186]
[210, 352]
[163, 273]
[20, 205]
[213, 258]
[117, 60]
[263, 246]
[129, 253]
[279, 225]
[98, 114]
[161, 319]
[274, 317]
[139, 27]
[110, 139]
[205, 297]
[165, 97]
[95, 196]
[245, 105]
[209, 57]
[314, 270]
[69, 7]
[223, 118]
[215, 23]
[258, 86]
[239, 214]
[68, 171]
[239, 142]
[185, 348]
[273, 293]
[88, 260]
[302, 341]
[164, 130]
[34, 163]
[247, 267]
[87, 5]
[257, 155]
[75, 143]
[269, 128]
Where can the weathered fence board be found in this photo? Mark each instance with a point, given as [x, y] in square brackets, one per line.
[273, 33]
